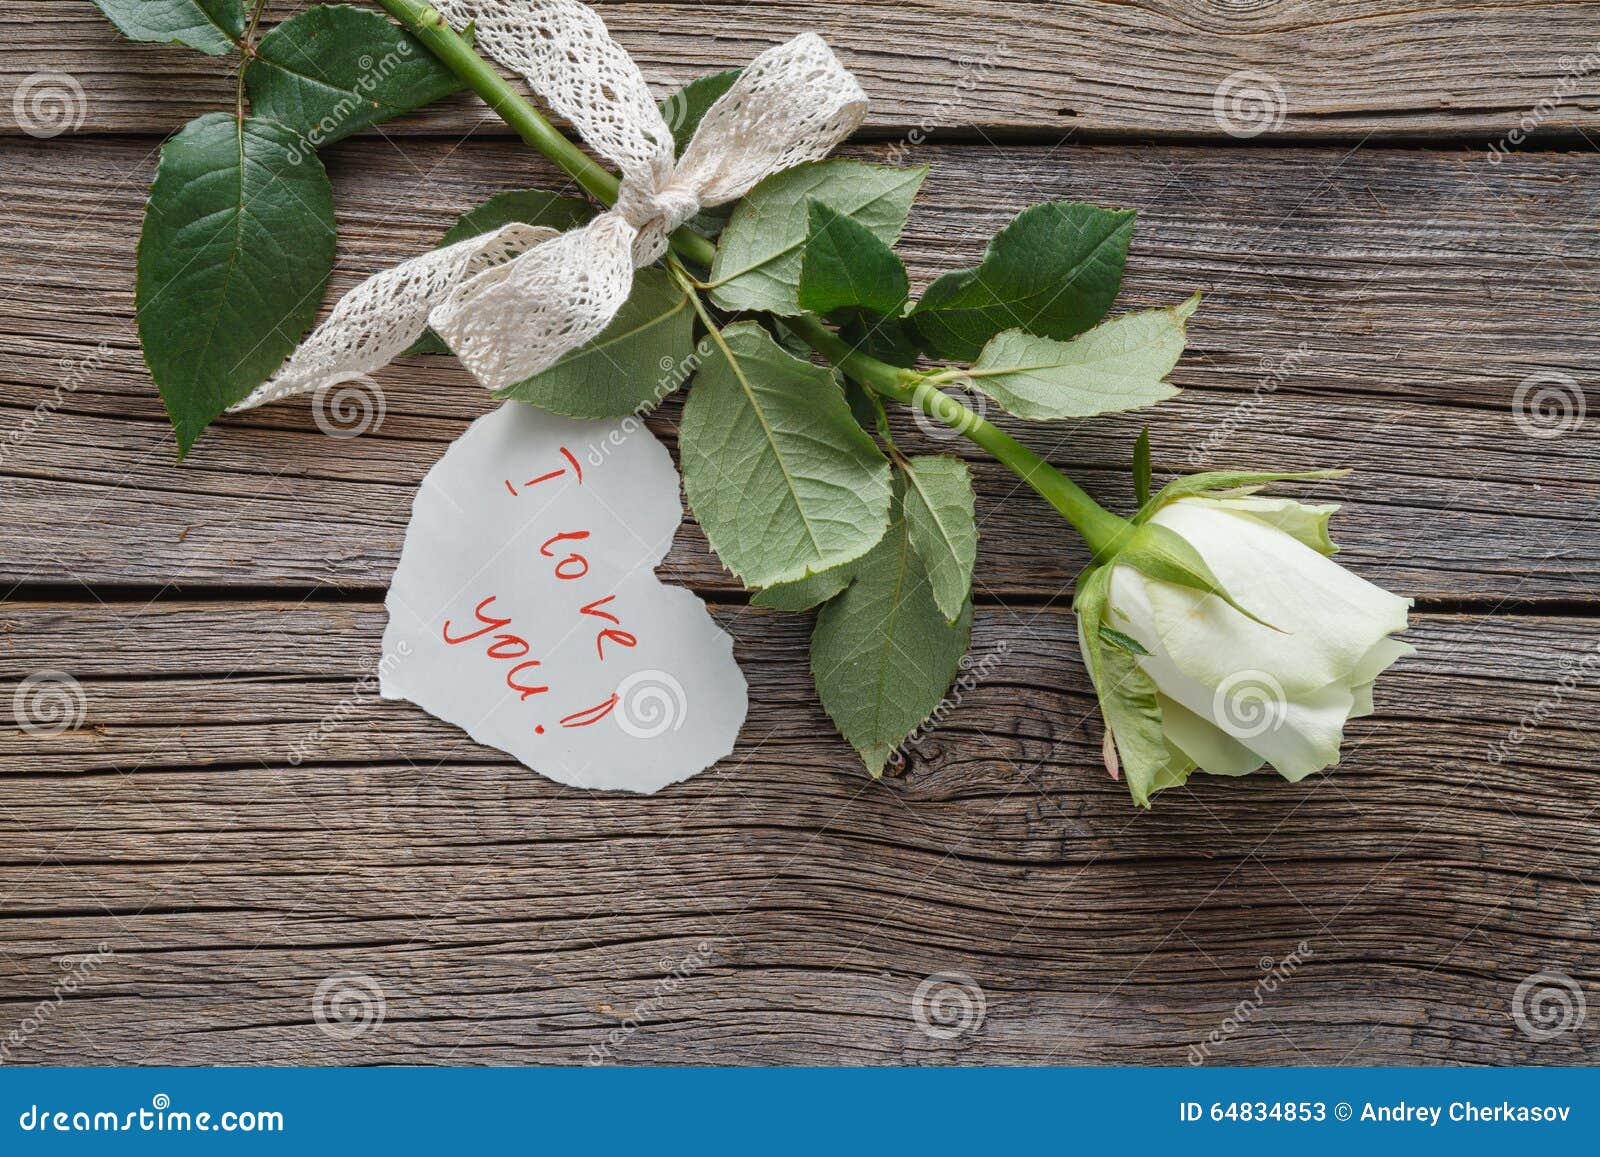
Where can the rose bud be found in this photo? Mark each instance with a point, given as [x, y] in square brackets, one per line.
[1220, 636]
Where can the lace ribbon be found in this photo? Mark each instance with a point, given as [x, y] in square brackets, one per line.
[512, 302]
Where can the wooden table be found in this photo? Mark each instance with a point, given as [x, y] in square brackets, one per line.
[1380, 285]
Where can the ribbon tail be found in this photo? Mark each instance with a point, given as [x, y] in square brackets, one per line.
[382, 316]
[508, 323]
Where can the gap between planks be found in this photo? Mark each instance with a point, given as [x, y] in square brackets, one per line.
[67, 596]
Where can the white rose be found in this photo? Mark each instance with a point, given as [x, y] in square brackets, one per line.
[1231, 693]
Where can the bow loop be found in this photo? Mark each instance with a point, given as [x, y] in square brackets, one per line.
[510, 322]
[792, 104]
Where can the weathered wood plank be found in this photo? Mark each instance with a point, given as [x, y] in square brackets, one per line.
[1429, 515]
[1410, 273]
[1362, 311]
[1346, 68]
[507, 919]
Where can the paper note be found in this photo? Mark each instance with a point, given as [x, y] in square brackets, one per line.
[526, 609]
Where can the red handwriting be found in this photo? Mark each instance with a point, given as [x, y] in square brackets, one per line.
[574, 566]
[590, 715]
[489, 623]
[571, 461]
[621, 638]
[505, 647]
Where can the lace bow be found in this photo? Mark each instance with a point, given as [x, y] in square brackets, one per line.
[512, 302]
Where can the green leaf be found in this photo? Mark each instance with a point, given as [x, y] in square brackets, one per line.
[429, 344]
[883, 654]
[642, 356]
[709, 223]
[1132, 709]
[685, 109]
[1118, 365]
[845, 265]
[939, 516]
[864, 407]
[1300, 521]
[335, 70]
[529, 206]
[1163, 555]
[803, 594]
[889, 339]
[215, 27]
[783, 481]
[1127, 697]
[1117, 639]
[237, 246]
[1053, 271]
[1214, 480]
[1141, 467]
[758, 257]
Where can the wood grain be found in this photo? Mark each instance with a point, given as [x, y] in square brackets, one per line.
[1385, 309]
[1364, 310]
[510, 920]
[1352, 69]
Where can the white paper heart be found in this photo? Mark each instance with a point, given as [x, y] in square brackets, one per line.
[526, 609]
